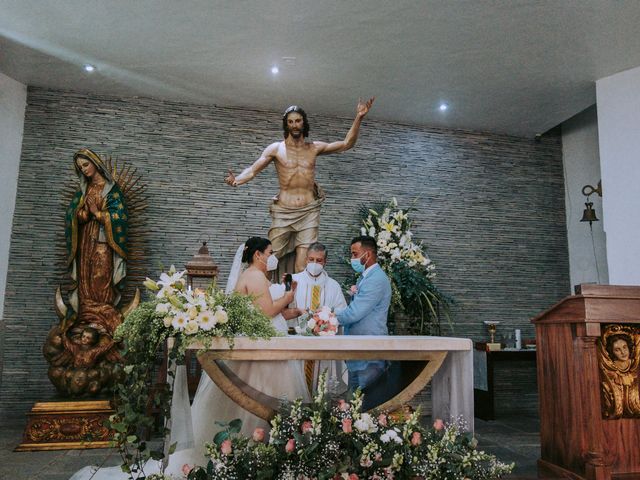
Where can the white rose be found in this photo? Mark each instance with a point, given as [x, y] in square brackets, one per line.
[163, 308]
[324, 315]
[167, 321]
[192, 311]
[191, 327]
[311, 323]
[221, 316]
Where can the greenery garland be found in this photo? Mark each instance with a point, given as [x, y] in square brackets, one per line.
[187, 317]
[333, 439]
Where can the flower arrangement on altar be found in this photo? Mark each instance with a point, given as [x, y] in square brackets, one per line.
[407, 265]
[322, 322]
[201, 315]
[187, 316]
[336, 440]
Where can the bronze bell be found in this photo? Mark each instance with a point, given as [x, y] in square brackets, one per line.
[589, 214]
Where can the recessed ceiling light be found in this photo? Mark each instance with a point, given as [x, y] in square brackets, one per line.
[443, 107]
[89, 68]
[275, 70]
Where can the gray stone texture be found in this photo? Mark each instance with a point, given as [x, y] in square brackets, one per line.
[490, 208]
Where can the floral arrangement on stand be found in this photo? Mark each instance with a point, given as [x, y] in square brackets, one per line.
[187, 316]
[335, 440]
[408, 267]
[322, 322]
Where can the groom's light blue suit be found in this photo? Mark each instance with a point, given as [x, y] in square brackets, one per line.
[367, 312]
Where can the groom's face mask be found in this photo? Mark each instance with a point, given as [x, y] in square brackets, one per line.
[359, 258]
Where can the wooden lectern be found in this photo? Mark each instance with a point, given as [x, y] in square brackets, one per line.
[579, 439]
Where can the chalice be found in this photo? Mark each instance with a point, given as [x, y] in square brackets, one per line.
[492, 326]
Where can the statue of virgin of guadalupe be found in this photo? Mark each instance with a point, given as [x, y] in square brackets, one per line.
[96, 236]
[96, 241]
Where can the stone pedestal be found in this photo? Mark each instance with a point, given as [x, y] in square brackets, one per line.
[70, 425]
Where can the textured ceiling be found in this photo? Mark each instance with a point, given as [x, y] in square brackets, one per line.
[516, 67]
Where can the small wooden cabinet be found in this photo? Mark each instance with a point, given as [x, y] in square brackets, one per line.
[485, 377]
[576, 440]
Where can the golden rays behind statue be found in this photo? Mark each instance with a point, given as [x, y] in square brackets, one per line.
[99, 246]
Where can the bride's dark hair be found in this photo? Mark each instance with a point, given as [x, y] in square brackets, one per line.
[253, 245]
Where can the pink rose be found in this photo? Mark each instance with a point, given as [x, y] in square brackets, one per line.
[290, 446]
[186, 468]
[353, 290]
[416, 439]
[438, 424]
[258, 435]
[307, 426]
[343, 406]
[382, 419]
[346, 425]
[225, 447]
[353, 476]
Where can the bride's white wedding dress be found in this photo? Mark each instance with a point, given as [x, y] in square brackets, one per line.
[192, 426]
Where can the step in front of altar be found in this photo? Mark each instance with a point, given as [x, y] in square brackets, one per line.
[67, 425]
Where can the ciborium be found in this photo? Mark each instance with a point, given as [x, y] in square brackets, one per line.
[492, 326]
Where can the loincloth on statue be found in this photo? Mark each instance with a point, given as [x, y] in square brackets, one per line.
[292, 227]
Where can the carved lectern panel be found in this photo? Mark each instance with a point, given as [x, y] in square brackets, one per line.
[619, 363]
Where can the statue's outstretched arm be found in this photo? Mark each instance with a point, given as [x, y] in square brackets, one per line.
[352, 135]
[248, 173]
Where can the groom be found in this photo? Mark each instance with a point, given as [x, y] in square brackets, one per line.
[367, 315]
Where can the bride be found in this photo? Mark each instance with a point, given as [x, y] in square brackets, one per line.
[195, 425]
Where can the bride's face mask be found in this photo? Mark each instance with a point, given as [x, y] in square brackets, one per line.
[271, 262]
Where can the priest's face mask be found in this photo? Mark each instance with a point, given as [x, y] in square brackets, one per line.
[316, 261]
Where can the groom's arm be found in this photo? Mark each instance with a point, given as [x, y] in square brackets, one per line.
[362, 304]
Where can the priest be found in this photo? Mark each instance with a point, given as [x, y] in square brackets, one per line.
[317, 289]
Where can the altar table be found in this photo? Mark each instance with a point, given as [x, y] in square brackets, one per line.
[448, 365]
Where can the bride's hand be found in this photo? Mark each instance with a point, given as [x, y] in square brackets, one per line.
[291, 294]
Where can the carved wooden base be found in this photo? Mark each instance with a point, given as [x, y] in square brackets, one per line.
[68, 425]
[595, 472]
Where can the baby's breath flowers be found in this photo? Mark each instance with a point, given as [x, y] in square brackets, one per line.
[330, 439]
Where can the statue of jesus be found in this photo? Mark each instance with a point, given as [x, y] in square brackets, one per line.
[295, 211]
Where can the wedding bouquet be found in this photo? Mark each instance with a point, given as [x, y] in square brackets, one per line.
[320, 323]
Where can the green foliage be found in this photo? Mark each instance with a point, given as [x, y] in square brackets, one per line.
[144, 334]
[409, 268]
[327, 440]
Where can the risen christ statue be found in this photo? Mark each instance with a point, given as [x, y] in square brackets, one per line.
[295, 211]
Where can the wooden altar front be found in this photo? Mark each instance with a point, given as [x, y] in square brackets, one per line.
[446, 362]
[579, 439]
